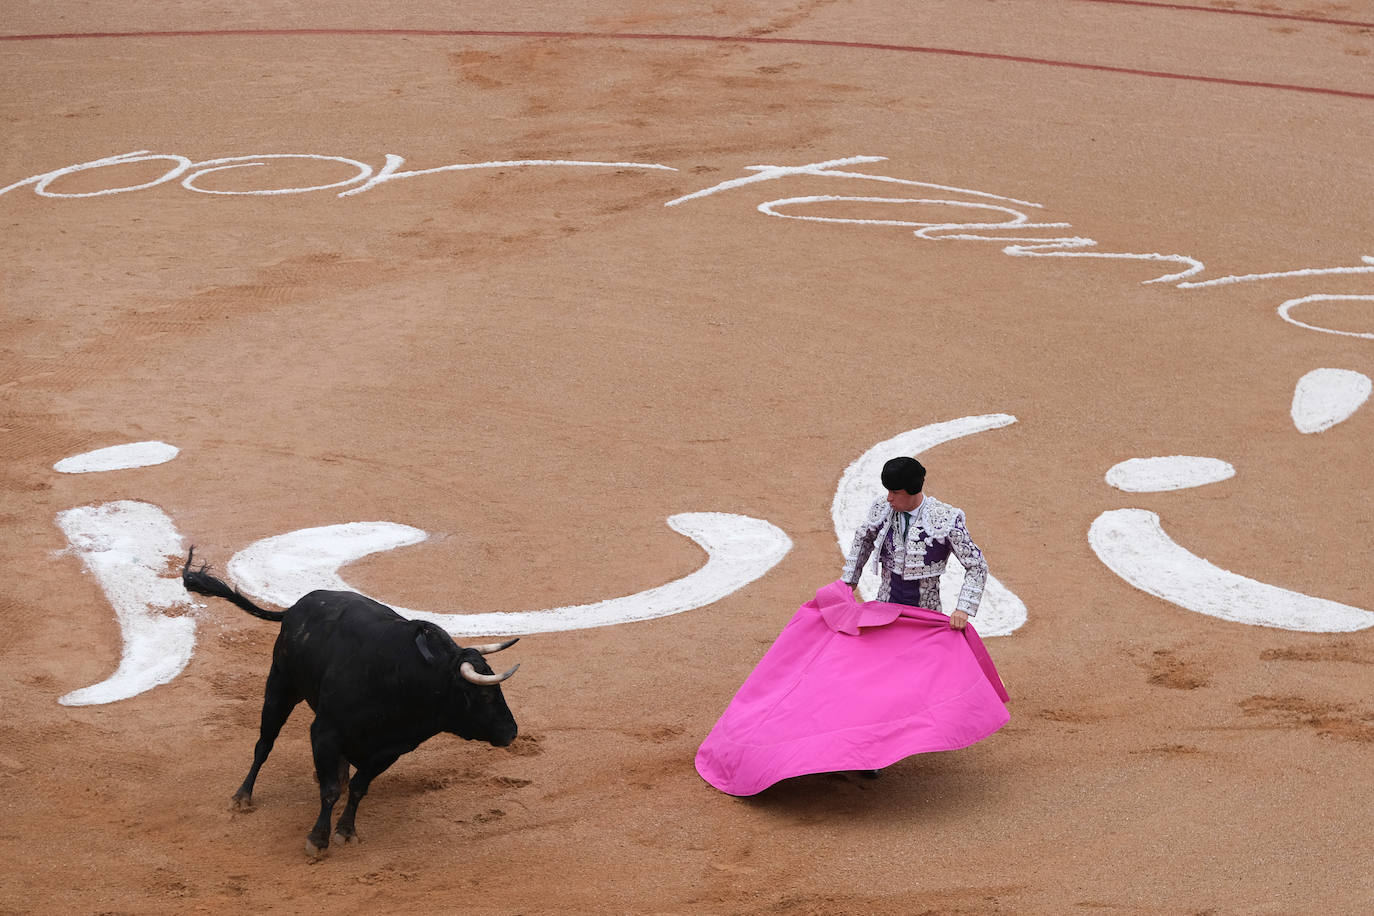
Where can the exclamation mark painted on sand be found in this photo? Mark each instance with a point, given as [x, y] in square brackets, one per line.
[125, 545]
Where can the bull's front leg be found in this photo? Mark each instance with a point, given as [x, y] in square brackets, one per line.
[326, 748]
[368, 770]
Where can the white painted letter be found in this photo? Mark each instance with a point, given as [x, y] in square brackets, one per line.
[125, 545]
[1321, 297]
[118, 458]
[1174, 472]
[740, 549]
[769, 172]
[41, 182]
[243, 162]
[1018, 219]
[1325, 397]
[1304, 272]
[827, 169]
[1133, 545]
[393, 163]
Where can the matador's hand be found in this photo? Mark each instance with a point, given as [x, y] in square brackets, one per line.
[958, 620]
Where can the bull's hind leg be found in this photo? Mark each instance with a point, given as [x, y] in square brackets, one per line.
[368, 770]
[324, 742]
[278, 701]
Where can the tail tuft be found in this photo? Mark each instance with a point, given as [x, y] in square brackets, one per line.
[201, 582]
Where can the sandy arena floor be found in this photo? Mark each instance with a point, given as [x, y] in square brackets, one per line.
[537, 362]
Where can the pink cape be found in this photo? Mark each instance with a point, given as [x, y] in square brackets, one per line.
[849, 686]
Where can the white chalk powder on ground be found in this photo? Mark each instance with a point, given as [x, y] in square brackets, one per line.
[1174, 472]
[1325, 397]
[1133, 545]
[118, 458]
[125, 545]
[739, 550]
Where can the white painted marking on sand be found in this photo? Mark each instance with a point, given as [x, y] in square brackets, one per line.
[770, 172]
[1018, 219]
[1302, 272]
[242, 162]
[389, 172]
[40, 182]
[283, 568]
[1023, 247]
[912, 183]
[125, 545]
[827, 169]
[363, 172]
[1286, 309]
[1171, 472]
[740, 549]
[1325, 397]
[1133, 545]
[1001, 611]
[118, 458]
[1062, 248]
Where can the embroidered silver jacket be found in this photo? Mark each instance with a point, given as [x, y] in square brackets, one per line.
[935, 531]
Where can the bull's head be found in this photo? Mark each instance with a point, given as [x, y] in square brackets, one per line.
[486, 716]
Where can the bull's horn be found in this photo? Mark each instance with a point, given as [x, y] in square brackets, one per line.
[471, 674]
[491, 647]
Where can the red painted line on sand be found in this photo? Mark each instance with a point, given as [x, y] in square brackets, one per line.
[739, 39]
[1297, 17]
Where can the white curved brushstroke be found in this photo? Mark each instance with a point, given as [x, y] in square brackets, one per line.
[40, 182]
[364, 172]
[740, 549]
[1000, 611]
[826, 169]
[1133, 545]
[282, 569]
[1062, 248]
[243, 162]
[1304, 272]
[125, 545]
[118, 458]
[1172, 472]
[1025, 247]
[771, 172]
[1323, 297]
[389, 171]
[1018, 220]
[911, 183]
[1325, 397]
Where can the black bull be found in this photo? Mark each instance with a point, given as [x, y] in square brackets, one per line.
[380, 685]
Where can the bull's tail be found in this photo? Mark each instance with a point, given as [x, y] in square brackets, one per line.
[200, 580]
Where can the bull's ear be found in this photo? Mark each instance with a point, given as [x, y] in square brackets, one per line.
[423, 646]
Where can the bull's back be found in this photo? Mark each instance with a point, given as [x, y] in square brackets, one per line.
[343, 641]
[347, 612]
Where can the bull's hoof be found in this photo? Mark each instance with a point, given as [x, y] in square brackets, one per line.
[346, 839]
[241, 802]
[315, 853]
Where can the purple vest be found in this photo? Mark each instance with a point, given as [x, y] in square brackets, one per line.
[905, 591]
[937, 552]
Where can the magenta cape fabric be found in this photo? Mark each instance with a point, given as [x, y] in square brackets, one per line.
[849, 686]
